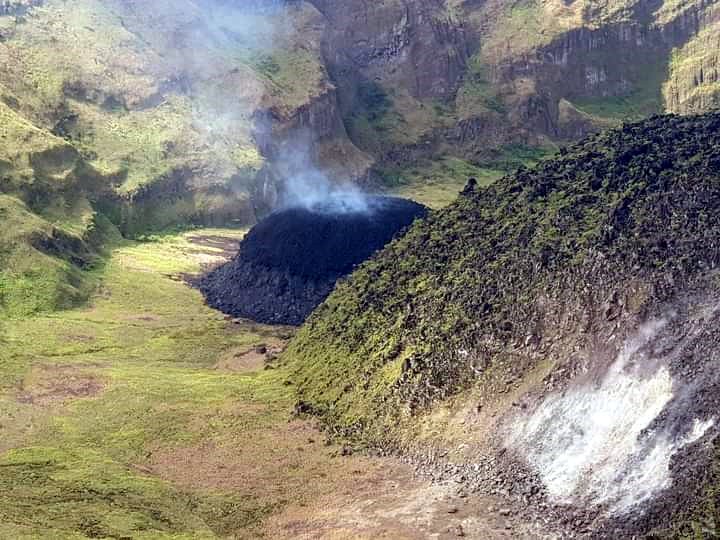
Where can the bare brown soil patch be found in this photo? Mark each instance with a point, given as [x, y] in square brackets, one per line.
[254, 358]
[330, 496]
[226, 246]
[241, 361]
[49, 385]
[274, 462]
[390, 502]
[143, 317]
[213, 250]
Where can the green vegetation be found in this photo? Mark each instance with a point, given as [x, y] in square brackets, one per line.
[160, 117]
[65, 494]
[672, 9]
[376, 119]
[690, 87]
[140, 146]
[522, 26]
[645, 98]
[50, 231]
[30, 281]
[285, 68]
[374, 99]
[386, 118]
[115, 420]
[143, 334]
[477, 94]
[437, 184]
[511, 156]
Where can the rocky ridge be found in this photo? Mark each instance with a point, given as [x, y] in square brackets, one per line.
[519, 297]
[469, 79]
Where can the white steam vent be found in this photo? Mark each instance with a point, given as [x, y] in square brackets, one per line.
[307, 186]
[593, 443]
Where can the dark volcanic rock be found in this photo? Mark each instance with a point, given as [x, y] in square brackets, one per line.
[289, 263]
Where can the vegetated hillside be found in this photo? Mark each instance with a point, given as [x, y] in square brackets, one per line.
[185, 106]
[461, 335]
[50, 231]
[195, 106]
[146, 120]
[188, 114]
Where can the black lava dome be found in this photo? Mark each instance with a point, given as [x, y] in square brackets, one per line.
[289, 262]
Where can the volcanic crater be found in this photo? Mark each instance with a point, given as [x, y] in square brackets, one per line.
[289, 262]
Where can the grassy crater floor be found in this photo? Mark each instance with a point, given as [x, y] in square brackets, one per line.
[144, 414]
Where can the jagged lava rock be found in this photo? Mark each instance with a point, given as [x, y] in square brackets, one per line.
[289, 263]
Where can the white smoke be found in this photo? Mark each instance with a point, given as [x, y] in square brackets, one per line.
[312, 190]
[306, 186]
[595, 443]
[228, 91]
[224, 55]
[260, 27]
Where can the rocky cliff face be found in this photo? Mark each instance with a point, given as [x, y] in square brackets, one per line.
[416, 47]
[692, 85]
[181, 114]
[471, 78]
[391, 62]
[627, 59]
[205, 99]
[196, 112]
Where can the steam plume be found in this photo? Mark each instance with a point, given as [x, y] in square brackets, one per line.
[223, 54]
[306, 186]
[600, 443]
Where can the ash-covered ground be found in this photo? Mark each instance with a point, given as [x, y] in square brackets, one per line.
[289, 263]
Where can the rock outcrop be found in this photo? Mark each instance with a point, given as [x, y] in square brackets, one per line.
[195, 112]
[195, 106]
[509, 73]
[289, 262]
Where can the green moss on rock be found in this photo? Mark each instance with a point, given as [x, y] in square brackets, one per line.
[462, 288]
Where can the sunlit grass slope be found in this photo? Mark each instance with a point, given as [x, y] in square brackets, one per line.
[100, 407]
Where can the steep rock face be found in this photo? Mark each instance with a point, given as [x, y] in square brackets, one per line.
[392, 62]
[608, 60]
[533, 73]
[414, 46]
[316, 129]
[627, 59]
[209, 98]
[693, 85]
[494, 327]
